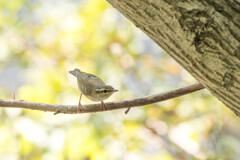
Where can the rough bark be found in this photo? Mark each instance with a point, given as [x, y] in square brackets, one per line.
[203, 36]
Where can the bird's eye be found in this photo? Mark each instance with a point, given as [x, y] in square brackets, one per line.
[104, 91]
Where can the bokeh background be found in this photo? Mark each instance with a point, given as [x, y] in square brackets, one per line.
[40, 41]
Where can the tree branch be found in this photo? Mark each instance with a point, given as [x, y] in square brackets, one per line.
[72, 109]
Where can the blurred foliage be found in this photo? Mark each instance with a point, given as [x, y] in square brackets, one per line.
[40, 41]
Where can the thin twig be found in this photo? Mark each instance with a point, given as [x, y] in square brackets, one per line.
[126, 112]
[72, 109]
[174, 149]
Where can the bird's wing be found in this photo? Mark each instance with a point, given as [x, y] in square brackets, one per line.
[94, 80]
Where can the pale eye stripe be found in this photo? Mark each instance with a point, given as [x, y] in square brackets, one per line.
[101, 90]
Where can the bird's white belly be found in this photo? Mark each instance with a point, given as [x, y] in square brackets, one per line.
[95, 99]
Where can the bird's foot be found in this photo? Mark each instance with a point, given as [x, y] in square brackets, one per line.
[103, 106]
[79, 109]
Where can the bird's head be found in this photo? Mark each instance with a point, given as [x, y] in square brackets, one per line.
[105, 91]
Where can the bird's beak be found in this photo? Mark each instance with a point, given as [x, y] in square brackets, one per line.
[72, 72]
[115, 90]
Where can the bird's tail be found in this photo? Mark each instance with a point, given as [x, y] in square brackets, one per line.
[76, 72]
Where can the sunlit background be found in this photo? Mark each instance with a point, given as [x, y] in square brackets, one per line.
[40, 41]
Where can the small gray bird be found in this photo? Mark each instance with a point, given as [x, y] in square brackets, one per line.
[92, 87]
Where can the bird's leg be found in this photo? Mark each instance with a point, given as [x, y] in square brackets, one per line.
[103, 106]
[13, 95]
[79, 104]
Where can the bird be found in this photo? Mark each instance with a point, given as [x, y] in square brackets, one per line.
[92, 87]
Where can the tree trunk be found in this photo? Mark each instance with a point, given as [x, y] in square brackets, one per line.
[203, 36]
